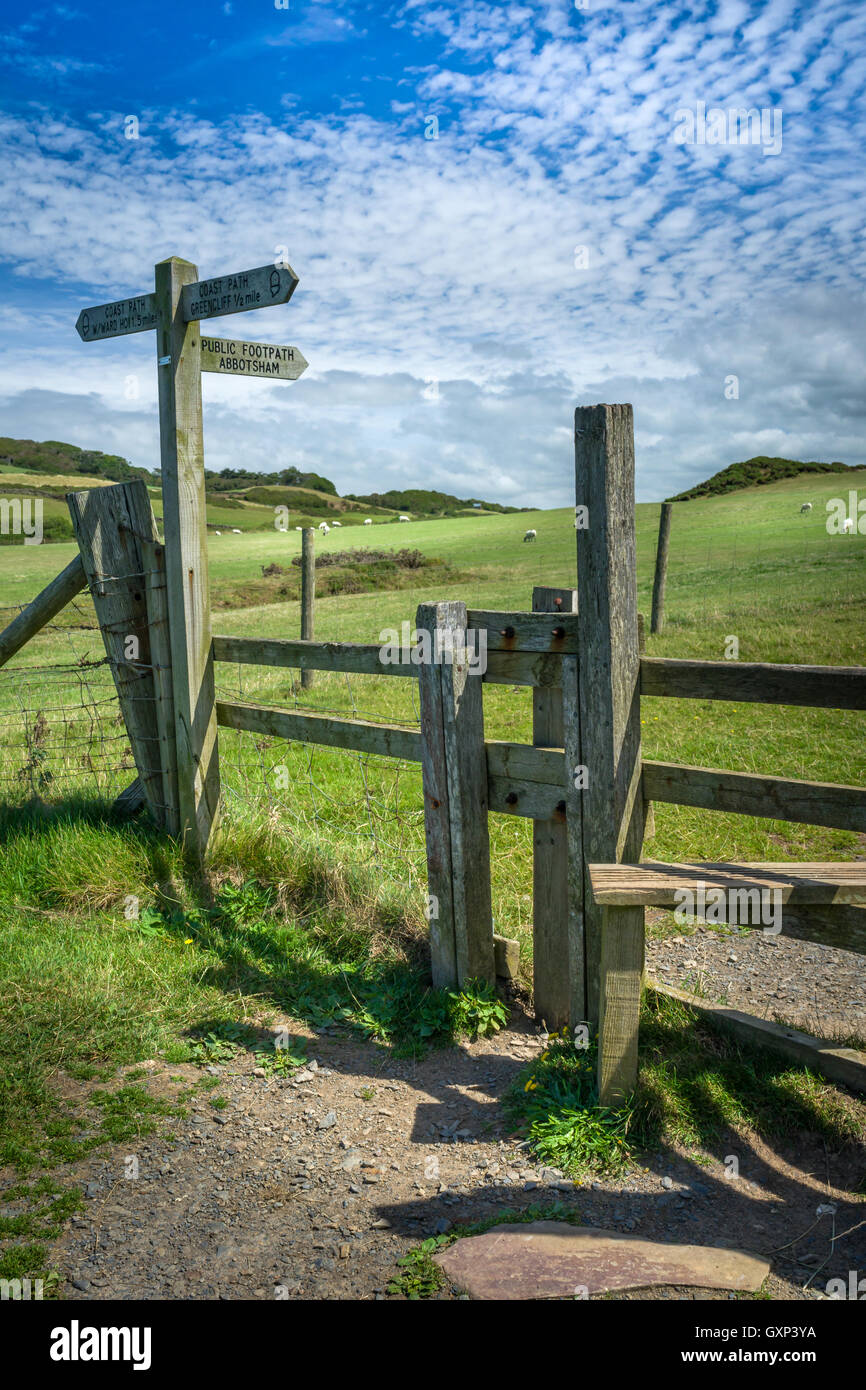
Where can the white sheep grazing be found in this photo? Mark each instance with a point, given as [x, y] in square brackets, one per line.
[848, 525]
[299, 528]
[217, 533]
[530, 536]
[806, 507]
[236, 531]
[324, 527]
[336, 523]
[404, 518]
[368, 521]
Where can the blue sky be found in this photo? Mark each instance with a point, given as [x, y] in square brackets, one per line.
[557, 243]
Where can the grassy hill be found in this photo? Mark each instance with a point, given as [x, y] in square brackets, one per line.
[237, 498]
[756, 472]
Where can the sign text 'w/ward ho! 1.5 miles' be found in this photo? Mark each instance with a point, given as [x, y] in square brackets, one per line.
[235, 294]
[237, 358]
[123, 316]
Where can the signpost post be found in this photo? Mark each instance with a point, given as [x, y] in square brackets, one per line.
[174, 309]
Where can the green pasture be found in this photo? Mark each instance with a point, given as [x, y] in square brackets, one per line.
[337, 839]
[746, 565]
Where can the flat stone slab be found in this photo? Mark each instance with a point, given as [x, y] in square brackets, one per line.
[552, 1259]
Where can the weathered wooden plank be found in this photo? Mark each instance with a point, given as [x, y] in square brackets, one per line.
[523, 763]
[532, 800]
[109, 523]
[131, 800]
[437, 818]
[308, 596]
[538, 631]
[506, 953]
[552, 966]
[622, 962]
[503, 668]
[656, 885]
[751, 794]
[825, 687]
[841, 1064]
[156, 598]
[816, 902]
[184, 522]
[359, 657]
[574, 792]
[383, 740]
[462, 743]
[45, 606]
[608, 659]
[657, 619]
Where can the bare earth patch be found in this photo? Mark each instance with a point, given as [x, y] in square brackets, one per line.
[314, 1188]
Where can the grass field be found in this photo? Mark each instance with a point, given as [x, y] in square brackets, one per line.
[337, 838]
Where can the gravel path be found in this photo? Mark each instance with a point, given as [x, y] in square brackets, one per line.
[313, 1187]
[801, 983]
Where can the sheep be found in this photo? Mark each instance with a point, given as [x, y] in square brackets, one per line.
[806, 507]
[217, 533]
[336, 523]
[368, 521]
[530, 535]
[299, 528]
[324, 527]
[236, 531]
[403, 518]
[848, 525]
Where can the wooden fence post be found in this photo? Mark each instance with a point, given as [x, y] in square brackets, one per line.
[608, 665]
[184, 522]
[454, 769]
[657, 620]
[156, 595]
[557, 937]
[308, 595]
[111, 524]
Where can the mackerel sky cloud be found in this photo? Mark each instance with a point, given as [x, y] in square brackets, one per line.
[490, 215]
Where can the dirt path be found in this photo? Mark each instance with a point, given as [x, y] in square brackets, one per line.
[313, 1187]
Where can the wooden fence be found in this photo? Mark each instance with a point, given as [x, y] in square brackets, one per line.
[582, 780]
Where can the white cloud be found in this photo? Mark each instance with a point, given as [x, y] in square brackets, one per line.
[454, 259]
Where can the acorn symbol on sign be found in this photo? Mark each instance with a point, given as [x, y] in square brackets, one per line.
[85, 323]
[275, 283]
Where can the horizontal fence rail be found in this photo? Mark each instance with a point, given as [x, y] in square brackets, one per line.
[750, 794]
[826, 687]
[522, 781]
[505, 666]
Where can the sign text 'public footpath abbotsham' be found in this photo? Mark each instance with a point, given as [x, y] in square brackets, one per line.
[237, 358]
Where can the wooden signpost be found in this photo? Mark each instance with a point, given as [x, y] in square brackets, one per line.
[174, 309]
